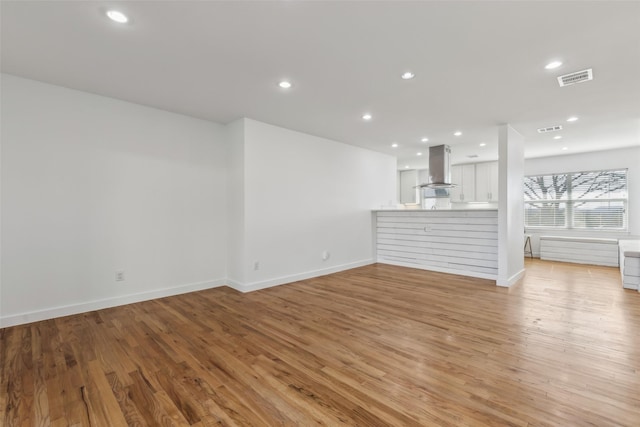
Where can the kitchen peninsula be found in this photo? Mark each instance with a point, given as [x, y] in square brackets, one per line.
[452, 241]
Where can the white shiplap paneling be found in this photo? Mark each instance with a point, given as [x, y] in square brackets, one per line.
[579, 250]
[459, 242]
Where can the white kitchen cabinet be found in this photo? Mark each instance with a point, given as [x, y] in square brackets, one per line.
[408, 183]
[464, 177]
[423, 176]
[487, 182]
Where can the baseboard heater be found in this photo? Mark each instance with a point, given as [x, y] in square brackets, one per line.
[581, 250]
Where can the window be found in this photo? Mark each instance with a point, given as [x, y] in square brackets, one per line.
[579, 200]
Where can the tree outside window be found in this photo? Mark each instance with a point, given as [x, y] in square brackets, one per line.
[580, 200]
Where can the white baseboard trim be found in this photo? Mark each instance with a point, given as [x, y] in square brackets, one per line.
[255, 286]
[476, 274]
[511, 280]
[84, 307]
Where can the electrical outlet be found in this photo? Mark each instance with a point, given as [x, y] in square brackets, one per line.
[256, 265]
[119, 276]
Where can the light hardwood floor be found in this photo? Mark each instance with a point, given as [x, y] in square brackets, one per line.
[377, 345]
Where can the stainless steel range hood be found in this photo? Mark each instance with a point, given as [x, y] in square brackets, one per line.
[439, 168]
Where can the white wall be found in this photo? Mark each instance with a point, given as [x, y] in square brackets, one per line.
[236, 202]
[305, 195]
[91, 185]
[510, 206]
[600, 160]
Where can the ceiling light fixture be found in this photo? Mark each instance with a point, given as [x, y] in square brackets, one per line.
[406, 167]
[418, 154]
[565, 148]
[552, 65]
[117, 16]
[572, 119]
[407, 75]
[457, 133]
[425, 140]
[557, 137]
[367, 116]
[483, 144]
[394, 145]
[285, 84]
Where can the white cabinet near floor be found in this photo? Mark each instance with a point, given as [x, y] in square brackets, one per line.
[487, 182]
[464, 178]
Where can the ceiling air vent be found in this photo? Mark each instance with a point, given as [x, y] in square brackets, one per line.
[472, 156]
[577, 77]
[550, 129]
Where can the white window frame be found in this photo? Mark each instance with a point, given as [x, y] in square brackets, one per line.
[570, 202]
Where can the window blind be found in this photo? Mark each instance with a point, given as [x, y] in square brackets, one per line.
[580, 200]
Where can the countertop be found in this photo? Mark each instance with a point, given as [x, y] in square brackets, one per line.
[434, 210]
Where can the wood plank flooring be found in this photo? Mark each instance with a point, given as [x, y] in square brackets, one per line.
[374, 346]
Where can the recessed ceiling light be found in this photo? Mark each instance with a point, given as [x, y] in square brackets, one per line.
[552, 65]
[457, 133]
[424, 139]
[418, 154]
[483, 144]
[565, 148]
[284, 84]
[572, 119]
[367, 116]
[406, 167]
[117, 16]
[557, 137]
[394, 145]
[407, 75]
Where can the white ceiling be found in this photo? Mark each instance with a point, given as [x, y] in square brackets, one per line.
[477, 65]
